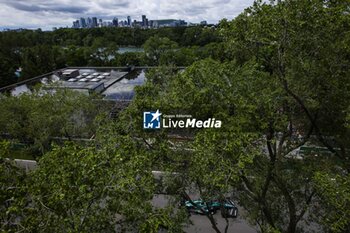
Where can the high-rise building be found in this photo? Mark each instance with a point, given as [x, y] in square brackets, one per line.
[76, 24]
[94, 22]
[82, 23]
[89, 22]
[144, 21]
[106, 24]
[115, 22]
[129, 21]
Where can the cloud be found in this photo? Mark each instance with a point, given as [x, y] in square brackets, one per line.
[113, 3]
[24, 7]
[56, 13]
[50, 8]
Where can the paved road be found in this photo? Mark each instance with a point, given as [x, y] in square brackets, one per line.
[201, 223]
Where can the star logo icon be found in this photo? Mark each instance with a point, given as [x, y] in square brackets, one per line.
[156, 115]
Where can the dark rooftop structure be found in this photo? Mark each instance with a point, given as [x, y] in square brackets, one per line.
[88, 80]
[113, 83]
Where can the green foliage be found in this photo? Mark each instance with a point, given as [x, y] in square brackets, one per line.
[199, 36]
[335, 193]
[83, 194]
[128, 59]
[158, 50]
[84, 189]
[37, 117]
[12, 190]
[102, 52]
[293, 41]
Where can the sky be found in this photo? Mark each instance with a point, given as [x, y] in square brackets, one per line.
[34, 14]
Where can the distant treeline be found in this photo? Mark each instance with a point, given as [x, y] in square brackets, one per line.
[37, 51]
[184, 36]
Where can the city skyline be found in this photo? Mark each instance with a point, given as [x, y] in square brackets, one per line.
[93, 22]
[34, 14]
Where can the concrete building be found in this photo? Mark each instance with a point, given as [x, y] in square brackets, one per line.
[167, 23]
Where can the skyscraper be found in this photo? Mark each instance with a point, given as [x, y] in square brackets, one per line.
[144, 22]
[115, 22]
[76, 24]
[89, 22]
[129, 21]
[82, 23]
[94, 22]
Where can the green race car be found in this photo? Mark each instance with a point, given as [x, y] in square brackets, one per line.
[227, 207]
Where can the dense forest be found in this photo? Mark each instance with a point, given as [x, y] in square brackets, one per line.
[38, 52]
[277, 76]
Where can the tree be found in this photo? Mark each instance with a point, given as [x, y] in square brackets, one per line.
[37, 60]
[156, 47]
[36, 118]
[90, 190]
[204, 92]
[128, 59]
[12, 190]
[293, 41]
[102, 52]
[76, 56]
[334, 192]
